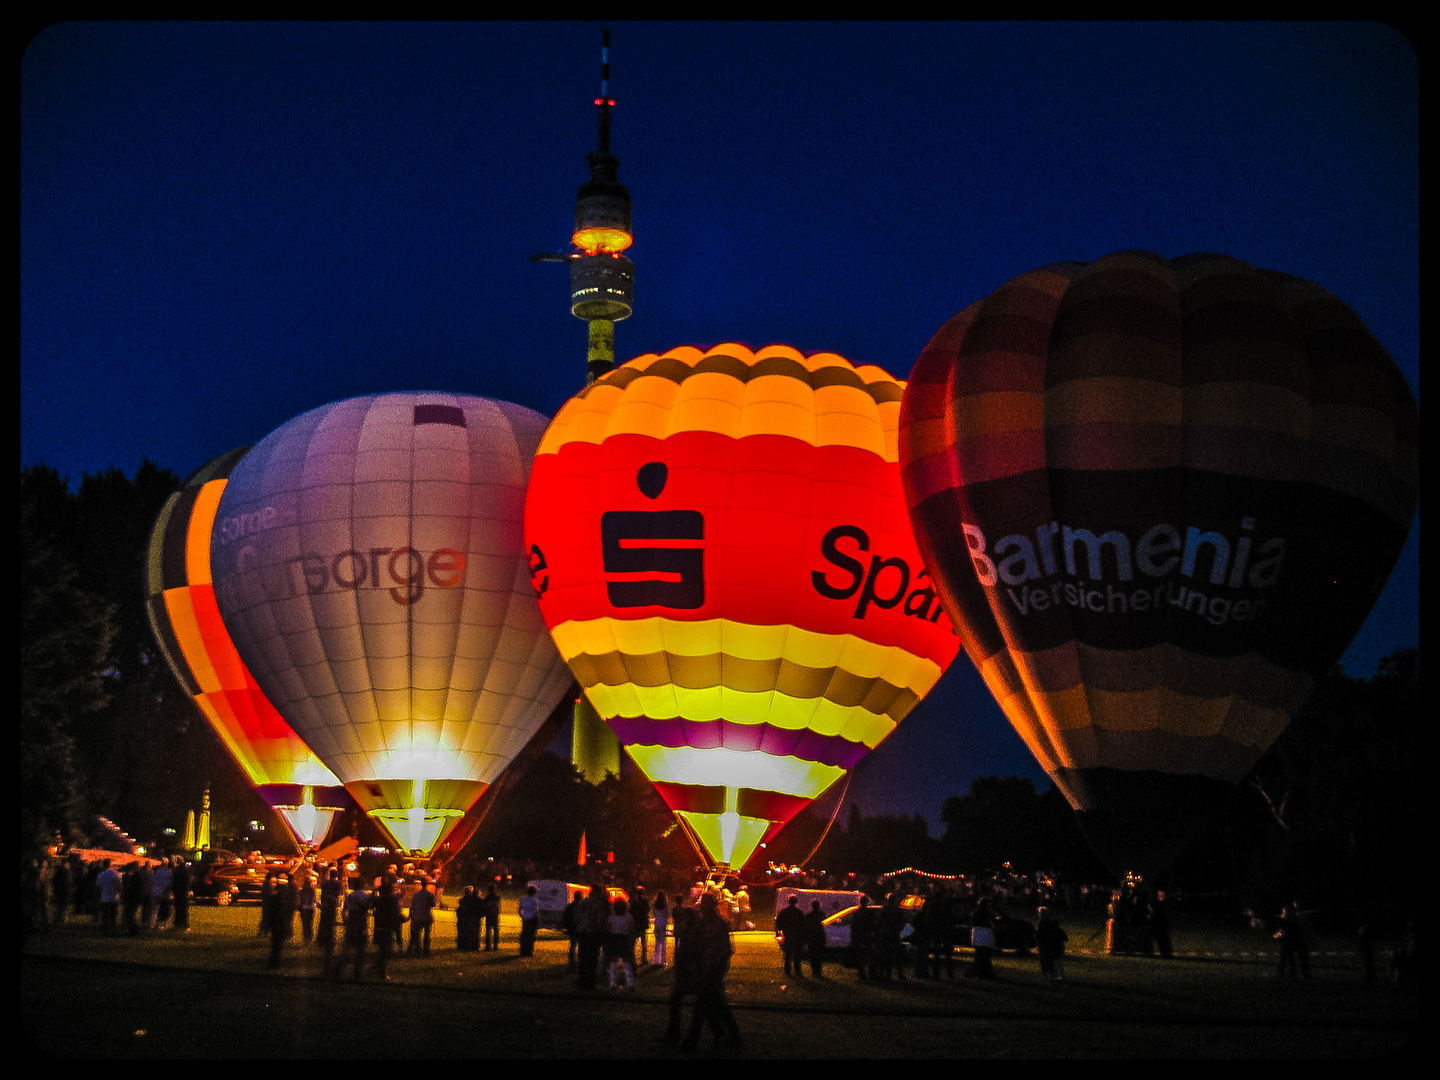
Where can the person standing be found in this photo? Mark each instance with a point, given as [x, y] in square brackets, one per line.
[389, 924]
[160, 895]
[661, 913]
[640, 913]
[180, 893]
[1294, 943]
[330, 892]
[686, 966]
[620, 945]
[111, 887]
[890, 940]
[492, 919]
[713, 952]
[742, 908]
[862, 938]
[815, 939]
[307, 899]
[469, 913]
[422, 918]
[790, 925]
[982, 940]
[569, 922]
[133, 891]
[1050, 939]
[280, 917]
[60, 886]
[592, 922]
[357, 926]
[529, 910]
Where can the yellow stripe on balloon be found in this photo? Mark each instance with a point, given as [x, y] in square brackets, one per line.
[719, 766]
[707, 637]
[668, 702]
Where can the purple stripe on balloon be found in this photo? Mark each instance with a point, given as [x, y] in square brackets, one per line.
[704, 735]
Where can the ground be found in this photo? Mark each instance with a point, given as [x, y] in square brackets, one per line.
[207, 994]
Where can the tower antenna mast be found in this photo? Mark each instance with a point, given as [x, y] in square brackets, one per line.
[602, 292]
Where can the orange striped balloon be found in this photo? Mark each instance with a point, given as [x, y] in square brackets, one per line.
[722, 552]
[184, 616]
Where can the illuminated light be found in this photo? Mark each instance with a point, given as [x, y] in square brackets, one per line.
[416, 664]
[686, 506]
[1150, 681]
[605, 239]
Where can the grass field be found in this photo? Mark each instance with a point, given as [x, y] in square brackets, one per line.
[207, 994]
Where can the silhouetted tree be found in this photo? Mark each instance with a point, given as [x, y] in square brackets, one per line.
[66, 646]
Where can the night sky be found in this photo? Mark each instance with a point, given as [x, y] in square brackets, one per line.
[225, 225]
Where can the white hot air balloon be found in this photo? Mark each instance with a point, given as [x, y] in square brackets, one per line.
[368, 563]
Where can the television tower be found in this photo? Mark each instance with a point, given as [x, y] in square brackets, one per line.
[602, 292]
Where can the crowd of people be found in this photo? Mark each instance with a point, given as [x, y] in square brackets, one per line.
[121, 894]
[615, 935]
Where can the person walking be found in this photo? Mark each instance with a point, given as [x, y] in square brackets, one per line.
[529, 910]
[713, 952]
[422, 918]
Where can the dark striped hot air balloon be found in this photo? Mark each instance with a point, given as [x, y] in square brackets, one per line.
[721, 549]
[1159, 497]
[180, 600]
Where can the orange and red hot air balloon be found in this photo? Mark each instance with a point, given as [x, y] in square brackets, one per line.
[187, 625]
[721, 550]
[1159, 498]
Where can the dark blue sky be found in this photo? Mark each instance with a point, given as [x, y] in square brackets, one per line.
[224, 225]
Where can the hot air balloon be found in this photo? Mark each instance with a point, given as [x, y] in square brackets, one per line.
[722, 554]
[186, 621]
[1159, 498]
[368, 563]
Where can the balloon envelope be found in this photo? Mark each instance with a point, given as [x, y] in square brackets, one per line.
[180, 601]
[1160, 497]
[368, 563]
[722, 553]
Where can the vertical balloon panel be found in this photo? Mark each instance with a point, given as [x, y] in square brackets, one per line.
[1160, 497]
[369, 560]
[185, 619]
[721, 549]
